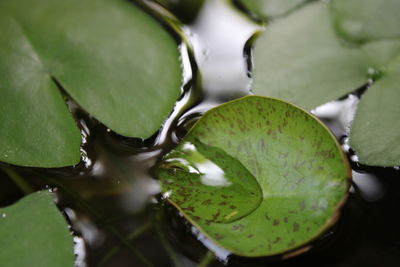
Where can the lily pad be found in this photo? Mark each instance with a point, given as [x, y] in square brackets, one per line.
[381, 52]
[366, 20]
[297, 163]
[299, 59]
[267, 9]
[375, 132]
[116, 61]
[207, 184]
[34, 233]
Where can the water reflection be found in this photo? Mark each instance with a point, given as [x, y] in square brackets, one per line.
[219, 36]
[371, 187]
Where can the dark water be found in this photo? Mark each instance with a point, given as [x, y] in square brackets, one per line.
[111, 200]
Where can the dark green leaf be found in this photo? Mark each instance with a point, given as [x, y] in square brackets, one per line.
[297, 163]
[365, 20]
[112, 58]
[36, 127]
[34, 233]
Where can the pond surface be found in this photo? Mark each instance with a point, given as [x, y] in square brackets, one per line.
[113, 203]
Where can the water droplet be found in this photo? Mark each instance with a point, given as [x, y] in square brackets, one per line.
[354, 158]
[4, 215]
[167, 194]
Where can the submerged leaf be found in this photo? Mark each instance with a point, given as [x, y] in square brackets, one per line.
[115, 61]
[207, 184]
[297, 163]
[34, 233]
[366, 20]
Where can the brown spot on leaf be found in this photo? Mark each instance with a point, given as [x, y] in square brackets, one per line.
[206, 202]
[238, 227]
[216, 215]
[276, 222]
[302, 205]
[296, 227]
[218, 236]
[276, 240]
[188, 209]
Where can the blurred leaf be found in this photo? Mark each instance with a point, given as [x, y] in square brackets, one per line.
[116, 61]
[381, 52]
[366, 20]
[267, 9]
[375, 132]
[297, 163]
[299, 59]
[34, 233]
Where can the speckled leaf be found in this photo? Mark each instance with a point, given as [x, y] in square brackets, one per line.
[34, 233]
[267, 9]
[375, 133]
[296, 161]
[365, 20]
[299, 59]
[116, 61]
[207, 184]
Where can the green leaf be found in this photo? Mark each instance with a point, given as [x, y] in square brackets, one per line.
[365, 20]
[207, 184]
[297, 162]
[300, 60]
[36, 127]
[267, 9]
[116, 61]
[375, 131]
[34, 233]
[381, 52]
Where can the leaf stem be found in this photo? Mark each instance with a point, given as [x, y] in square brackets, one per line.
[18, 180]
[166, 245]
[134, 234]
[207, 259]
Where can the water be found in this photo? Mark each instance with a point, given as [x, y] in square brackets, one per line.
[113, 204]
